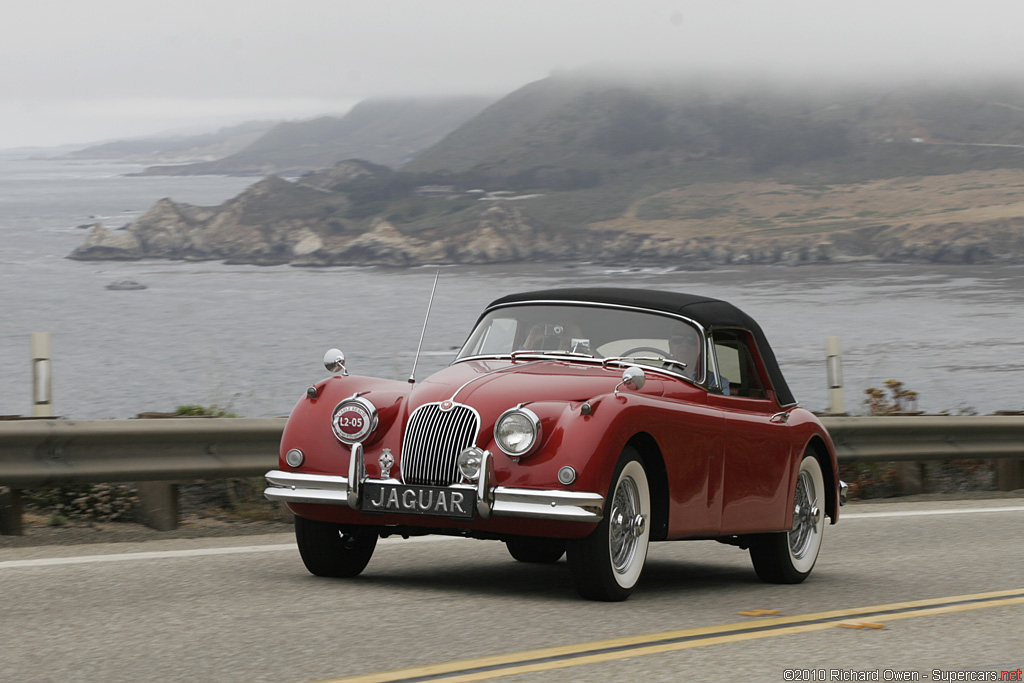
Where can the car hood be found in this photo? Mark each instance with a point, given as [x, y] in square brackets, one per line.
[493, 383]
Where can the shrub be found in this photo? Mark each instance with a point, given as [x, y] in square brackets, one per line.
[900, 400]
[99, 502]
[202, 411]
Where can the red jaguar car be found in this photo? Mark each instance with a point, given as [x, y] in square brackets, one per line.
[583, 422]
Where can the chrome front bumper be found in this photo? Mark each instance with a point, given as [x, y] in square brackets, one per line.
[500, 501]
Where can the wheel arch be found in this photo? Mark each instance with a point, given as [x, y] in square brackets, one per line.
[657, 476]
[818, 448]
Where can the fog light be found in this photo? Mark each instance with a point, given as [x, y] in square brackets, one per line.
[567, 475]
[469, 463]
[294, 457]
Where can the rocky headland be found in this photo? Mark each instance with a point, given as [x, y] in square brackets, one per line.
[276, 221]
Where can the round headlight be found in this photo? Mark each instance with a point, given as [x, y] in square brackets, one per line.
[516, 431]
[353, 419]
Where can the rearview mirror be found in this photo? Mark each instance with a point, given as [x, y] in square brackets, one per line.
[632, 377]
[334, 361]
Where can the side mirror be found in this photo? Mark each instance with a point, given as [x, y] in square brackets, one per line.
[334, 361]
[632, 377]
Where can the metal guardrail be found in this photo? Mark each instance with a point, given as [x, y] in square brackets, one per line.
[35, 453]
[926, 437]
[38, 453]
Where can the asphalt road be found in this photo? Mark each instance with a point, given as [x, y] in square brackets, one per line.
[244, 609]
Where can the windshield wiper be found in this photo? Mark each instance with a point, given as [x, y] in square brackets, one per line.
[634, 359]
[553, 352]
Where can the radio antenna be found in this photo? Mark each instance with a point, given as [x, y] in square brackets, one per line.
[419, 347]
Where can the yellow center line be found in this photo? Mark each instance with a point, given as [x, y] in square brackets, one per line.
[565, 656]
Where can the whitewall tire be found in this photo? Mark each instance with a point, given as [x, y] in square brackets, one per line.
[789, 557]
[607, 564]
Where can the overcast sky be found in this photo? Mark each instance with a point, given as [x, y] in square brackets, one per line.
[74, 71]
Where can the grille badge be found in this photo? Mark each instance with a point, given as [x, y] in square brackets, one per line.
[447, 405]
[386, 461]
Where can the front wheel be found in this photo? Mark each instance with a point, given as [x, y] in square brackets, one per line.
[606, 565]
[788, 557]
[334, 550]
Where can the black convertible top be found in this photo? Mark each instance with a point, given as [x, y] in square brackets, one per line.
[708, 312]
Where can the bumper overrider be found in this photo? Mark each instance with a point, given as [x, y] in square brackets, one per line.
[497, 501]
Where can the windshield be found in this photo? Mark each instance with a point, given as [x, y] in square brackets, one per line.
[599, 332]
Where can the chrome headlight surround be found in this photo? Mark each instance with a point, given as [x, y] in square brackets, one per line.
[517, 432]
[353, 420]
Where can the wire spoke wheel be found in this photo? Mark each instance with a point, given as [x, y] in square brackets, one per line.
[606, 565]
[625, 526]
[806, 516]
[788, 557]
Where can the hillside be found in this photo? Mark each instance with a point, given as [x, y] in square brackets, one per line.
[598, 123]
[384, 131]
[178, 148]
[665, 171]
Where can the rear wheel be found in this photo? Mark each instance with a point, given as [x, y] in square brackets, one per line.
[788, 557]
[334, 550]
[606, 565]
[536, 550]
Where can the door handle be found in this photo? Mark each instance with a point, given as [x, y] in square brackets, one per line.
[780, 418]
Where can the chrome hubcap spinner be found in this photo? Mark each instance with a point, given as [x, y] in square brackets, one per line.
[626, 525]
[806, 516]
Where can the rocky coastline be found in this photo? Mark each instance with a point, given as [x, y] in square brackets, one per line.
[241, 232]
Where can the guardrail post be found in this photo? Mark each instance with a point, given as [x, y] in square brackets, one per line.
[158, 504]
[1009, 474]
[1010, 471]
[10, 512]
[911, 477]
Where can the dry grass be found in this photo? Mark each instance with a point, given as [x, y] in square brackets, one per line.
[771, 208]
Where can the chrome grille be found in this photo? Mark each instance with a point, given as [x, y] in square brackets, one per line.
[433, 440]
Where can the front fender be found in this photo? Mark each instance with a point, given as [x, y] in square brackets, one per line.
[587, 436]
[812, 437]
[309, 425]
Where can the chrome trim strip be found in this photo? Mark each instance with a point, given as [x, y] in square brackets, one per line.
[566, 506]
[492, 372]
[504, 501]
[318, 496]
[294, 487]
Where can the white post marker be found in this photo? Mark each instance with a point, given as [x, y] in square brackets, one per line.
[834, 368]
[42, 375]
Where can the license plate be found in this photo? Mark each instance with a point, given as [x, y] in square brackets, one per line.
[437, 501]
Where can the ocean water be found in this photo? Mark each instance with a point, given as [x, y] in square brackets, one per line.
[251, 338]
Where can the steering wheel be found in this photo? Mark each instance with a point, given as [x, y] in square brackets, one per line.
[650, 349]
